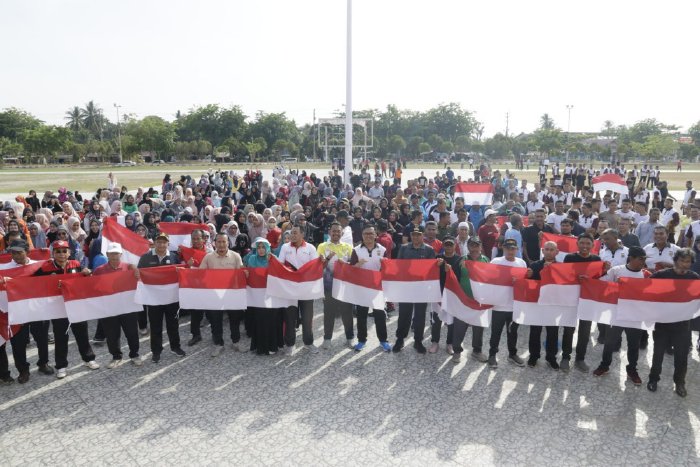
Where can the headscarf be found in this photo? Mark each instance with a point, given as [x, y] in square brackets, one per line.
[253, 260]
[257, 231]
[231, 237]
[242, 246]
[39, 240]
[78, 235]
[133, 224]
[43, 222]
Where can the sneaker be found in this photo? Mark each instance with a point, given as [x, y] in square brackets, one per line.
[288, 350]
[386, 346]
[137, 361]
[216, 351]
[680, 390]
[600, 371]
[634, 376]
[23, 377]
[60, 374]
[449, 349]
[651, 385]
[359, 346]
[553, 365]
[311, 348]
[582, 366]
[194, 341]
[516, 360]
[434, 347]
[46, 369]
[326, 344]
[398, 345]
[480, 357]
[92, 364]
[113, 364]
[493, 362]
[98, 342]
[143, 332]
[456, 357]
[7, 380]
[178, 351]
[351, 343]
[532, 362]
[420, 348]
[155, 358]
[565, 364]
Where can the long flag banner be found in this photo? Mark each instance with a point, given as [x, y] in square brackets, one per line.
[526, 310]
[306, 283]
[180, 233]
[492, 284]
[411, 281]
[7, 331]
[565, 245]
[212, 289]
[458, 304]
[133, 245]
[658, 300]
[37, 254]
[612, 182]
[481, 193]
[598, 302]
[35, 299]
[157, 286]
[11, 273]
[256, 291]
[360, 287]
[561, 283]
[100, 296]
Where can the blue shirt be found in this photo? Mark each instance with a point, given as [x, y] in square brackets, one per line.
[517, 236]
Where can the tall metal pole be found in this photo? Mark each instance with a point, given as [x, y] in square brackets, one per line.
[348, 97]
[119, 134]
[568, 130]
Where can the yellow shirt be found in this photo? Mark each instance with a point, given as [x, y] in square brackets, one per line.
[342, 251]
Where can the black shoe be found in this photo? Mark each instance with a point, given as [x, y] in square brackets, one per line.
[680, 390]
[195, 340]
[420, 348]
[46, 369]
[532, 362]
[553, 364]
[651, 385]
[23, 377]
[397, 346]
[155, 358]
[7, 380]
[179, 352]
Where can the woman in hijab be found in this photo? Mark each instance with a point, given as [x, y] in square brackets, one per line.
[43, 222]
[285, 239]
[256, 226]
[38, 236]
[232, 232]
[240, 219]
[76, 233]
[149, 221]
[242, 246]
[130, 222]
[274, 233]
[51, 234]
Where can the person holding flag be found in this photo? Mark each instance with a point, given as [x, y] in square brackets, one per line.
[267, 322]
[198, 245]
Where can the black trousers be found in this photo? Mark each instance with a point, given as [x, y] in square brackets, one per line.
[113, 326]
[678, 336]
[584, 335]
[40, 331]
[460, 330]
[406, 312]
[216, 318]
[143, 319]
[291, 315]
[332, 307]
[80, 332]
[156, 313]
[614, 334]
[4, 364]
[379, 324]
[196, 317]
[267, 330]
[499, 320]
[551, 339]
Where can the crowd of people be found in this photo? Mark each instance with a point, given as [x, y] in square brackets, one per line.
[300, 217]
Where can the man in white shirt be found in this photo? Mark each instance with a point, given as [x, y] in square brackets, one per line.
[660, 253]
[667, 212]
[689, 195]
[346, 230]
[376, 192]
[613, 253]
[555, 218]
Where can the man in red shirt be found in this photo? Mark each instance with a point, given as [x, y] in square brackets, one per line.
[488, 233]
[383, 237]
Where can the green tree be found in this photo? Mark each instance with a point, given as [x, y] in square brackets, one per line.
[694, 132]
[435, 141]
[46, 140]
[212, 123]
[93, 120]
[447, 147]
[462, 143]
[423, 148]
[13, 123]
[272, 127]
[255, 147]
[546, 122]
[498, 147]
[9, 147]
[74, 119]
[396, 144]
[152, 133]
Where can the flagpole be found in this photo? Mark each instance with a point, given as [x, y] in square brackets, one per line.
[348, 96]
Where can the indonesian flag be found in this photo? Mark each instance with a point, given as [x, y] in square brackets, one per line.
[560, 282]
[658, 300]
[459, 305]
[411, 281]
[180, 233]
[158, 286]
[612, 182]
[598, 302]
[7, 331]
[492, 284]
[362, 287]
[38, 254]
[526, 310]
[256, 291]
[132, 244]
[481, 193]
[186, 253]
[306, 283]
[566, 245]
[11, 273]
[35, 299]
[212, 289]
[501, 220]
[100, 296]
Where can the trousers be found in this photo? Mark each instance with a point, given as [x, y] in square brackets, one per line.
[113, 327]
[40, 332]
[291, 314]
[678, 336]
[551, 339]
[331, 307]
[499, 320]
[216, 318]
[460, 330]
[80, 332]
[379, 324]
[584, 335]
[613, 336]
[156, 314]
[406, 312]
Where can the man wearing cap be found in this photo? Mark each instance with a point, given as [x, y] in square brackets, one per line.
[60, 264]
[38, 329]
[417, 249]
[416, 221]
[451, 260]
[128, 322]
[504, 317]
[550, 251]
[488, 233]
[160, 256]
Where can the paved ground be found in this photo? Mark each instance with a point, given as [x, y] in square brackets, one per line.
[340, 407]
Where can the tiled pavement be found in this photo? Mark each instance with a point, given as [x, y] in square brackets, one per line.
[340, 407]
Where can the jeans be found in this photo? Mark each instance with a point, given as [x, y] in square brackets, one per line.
[156, 313]
[80, 332]
[331, 307]
[499, 320]
[551, 340]
[406, 311]
[291, 314]
[613, 336]
[379, 324]
[113, 326]
[40, 331]
[678, 336]
[216, 318]
[584, 335]
[460, 330]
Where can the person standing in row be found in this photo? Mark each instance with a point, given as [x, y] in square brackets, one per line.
[450, 261]
[196, 316]
[550, 251]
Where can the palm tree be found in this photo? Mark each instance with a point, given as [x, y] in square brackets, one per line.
[609, 127]
[93, 118]
[75, 118]
[546, 122]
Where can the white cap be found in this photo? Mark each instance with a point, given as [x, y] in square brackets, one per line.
[115, 248]
[489, 212]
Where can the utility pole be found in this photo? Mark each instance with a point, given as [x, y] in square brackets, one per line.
[315, 134]
[348, 96]
[568, 130]
[507, 121]
[119, 134]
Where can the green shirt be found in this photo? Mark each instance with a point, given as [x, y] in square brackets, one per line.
[464, 277]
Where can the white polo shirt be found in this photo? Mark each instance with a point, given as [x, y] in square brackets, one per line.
[297, 257]
[618, 258]
[373, 258]
[654, 255]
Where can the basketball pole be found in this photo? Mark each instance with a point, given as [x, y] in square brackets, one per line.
[348, 97]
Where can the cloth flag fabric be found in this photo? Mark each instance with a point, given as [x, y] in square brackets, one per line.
[212, 289]
[598, 302]
[492, 284]
[658, 300]
[157, 286]
[7, 331]
[361, 287]
[560, 282]
[527, 310]
[501, 220]
[612, 182]
[35, 299]
[566, 245]
[458, 304]
[186, 253]
[100, 296]
[133, 245]
[180, 233]
[481, 193]
[256, 291]
[22, 271]
[306, 283]
[411, 281]
[37, 254]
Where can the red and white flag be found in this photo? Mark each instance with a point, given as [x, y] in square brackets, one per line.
[99, 296]
[186, 253]
[22, 271]
[180, 233]
[492, 284]
[360, 287]
[566, 245]
[37, 254]
[598, 302]
[458, 304]
[411, 281]
[256, 291]
[35, 299]
[526, 310]
[658, 300]
[133, 246]
[306, 283]
[7, 331]
[481, 193]
[212, 289]
[157, 286]
[561, 284]
[612, 182]
[502, 220]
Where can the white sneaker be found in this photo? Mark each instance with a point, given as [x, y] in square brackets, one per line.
[351, 343]
[113, 364]
[60, 374]
[92, 364]
[311, 348]
[288, 350]
[326, 344]
[217, 350]
[434, 347]
[143, 332]
[137, 361]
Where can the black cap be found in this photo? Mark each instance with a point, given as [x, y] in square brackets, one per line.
[382, 224]
[636, 252]
[342, 214]
[448, 239]
[18, 245]
[474, 241]
[417, 229]
[510, 243]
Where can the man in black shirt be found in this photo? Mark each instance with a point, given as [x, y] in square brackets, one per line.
[531, 237]
[550, 251]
